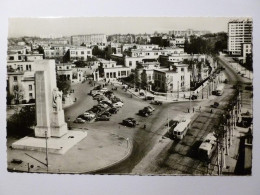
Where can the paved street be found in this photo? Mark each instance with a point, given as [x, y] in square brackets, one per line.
[181, 157]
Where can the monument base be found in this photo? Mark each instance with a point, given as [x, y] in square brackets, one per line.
[55, 145]
[41, 131]
[59, 131]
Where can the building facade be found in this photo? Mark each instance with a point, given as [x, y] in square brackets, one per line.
[91, 39]
[175, 79]
[239, 33]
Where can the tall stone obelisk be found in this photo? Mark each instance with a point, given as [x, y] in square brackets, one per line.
[49, 114]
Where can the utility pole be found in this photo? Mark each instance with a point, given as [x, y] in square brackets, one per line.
[47, 162]
[218, 164]
[190, 99]
[178, 91]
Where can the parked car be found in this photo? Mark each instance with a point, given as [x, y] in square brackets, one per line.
[99, 98]
[155, 102]
[108, 114]
[116, 99]
[150, 107]
[118, 105]
[103, 90]
[128, 122]
[89, 114]
[215, 105]
[108, 102]
[144, 113]
[113, 110]
[194, 97]
[149, 97]
[103, 105]
[95, 93]
[103, 118]
[79, 120]
[108, 93]
[97, 87]
[96, 109]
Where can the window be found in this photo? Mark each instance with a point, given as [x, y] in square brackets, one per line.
[182, 69]
[30, 87]
[88, 52]
[30, 95]
[123, 73]
[11, 58]
[15, 78]
[130, 63]
[68, 67]
[82, 52]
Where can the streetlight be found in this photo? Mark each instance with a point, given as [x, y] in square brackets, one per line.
[47, 162]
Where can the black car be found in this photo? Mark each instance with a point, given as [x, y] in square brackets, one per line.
[102, 118]
[215, 105]
[129, 123]
[113, 110]
[194, 97]
[98, 87]
[108, 114]
[144, 113]
[155, 102]
[96, 109]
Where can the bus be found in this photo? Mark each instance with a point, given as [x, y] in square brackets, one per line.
[181, 129]
[219, 90]
[207, 147]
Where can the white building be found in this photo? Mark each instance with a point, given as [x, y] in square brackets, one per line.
[239, 32]
[174, 79]
[246, 49]
[113, 71]
[80, 53]
[92, 39]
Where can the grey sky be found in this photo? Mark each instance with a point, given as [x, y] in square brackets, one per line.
[110, 25]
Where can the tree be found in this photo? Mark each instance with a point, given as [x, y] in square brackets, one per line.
[63, 85]
[18, 93]
[9, 98]
[22, 123]
[41, 51]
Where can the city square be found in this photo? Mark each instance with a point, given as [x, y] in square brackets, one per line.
[163, 103]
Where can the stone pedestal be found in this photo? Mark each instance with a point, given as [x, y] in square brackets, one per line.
[58, 125]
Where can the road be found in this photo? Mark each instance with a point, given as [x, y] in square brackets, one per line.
[181, 158]
[178, 158]
[143, 139]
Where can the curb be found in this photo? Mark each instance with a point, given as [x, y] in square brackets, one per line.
[130, 144]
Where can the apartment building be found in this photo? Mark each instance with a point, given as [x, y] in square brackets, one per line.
[188, 32]
[80, 53]
[176, 78]
[239, 33]
[91, 39]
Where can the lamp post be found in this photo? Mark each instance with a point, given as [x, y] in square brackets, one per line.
[47, 161]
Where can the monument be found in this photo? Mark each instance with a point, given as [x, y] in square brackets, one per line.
[49, 113]
[50, 117]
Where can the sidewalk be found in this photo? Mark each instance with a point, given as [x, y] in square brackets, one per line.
[98, 150]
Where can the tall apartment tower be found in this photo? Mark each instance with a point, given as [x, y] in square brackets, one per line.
[239, 33]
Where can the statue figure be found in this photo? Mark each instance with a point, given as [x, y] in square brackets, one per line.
[57, 99]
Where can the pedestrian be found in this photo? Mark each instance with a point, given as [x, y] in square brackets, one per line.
[211, 111]
[193, 109]
[199, 108]
[144, 126]
[188, 110]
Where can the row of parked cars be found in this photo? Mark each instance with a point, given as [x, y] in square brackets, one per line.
[108, 104]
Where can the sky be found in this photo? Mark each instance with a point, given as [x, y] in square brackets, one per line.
[57, 27]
